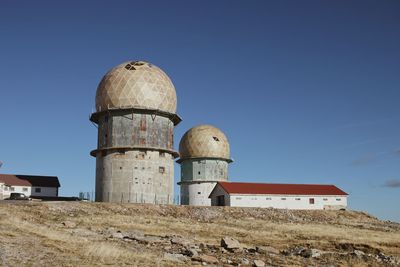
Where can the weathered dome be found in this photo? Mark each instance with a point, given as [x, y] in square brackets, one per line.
[136, 84]
[204, 141]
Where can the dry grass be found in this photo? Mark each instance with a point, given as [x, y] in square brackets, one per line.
[35, 231]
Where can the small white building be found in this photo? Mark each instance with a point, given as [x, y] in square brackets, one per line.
[30, 185]
[279, 196]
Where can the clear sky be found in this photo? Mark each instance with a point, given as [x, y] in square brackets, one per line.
[306, 91]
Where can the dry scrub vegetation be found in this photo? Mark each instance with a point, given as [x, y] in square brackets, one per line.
[97, 234]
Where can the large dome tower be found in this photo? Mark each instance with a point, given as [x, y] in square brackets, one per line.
[136, 115]
[204, 158]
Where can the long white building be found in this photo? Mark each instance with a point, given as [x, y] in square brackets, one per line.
[30, 185]
[279, 196]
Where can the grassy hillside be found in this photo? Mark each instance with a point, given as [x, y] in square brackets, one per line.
[97, 234]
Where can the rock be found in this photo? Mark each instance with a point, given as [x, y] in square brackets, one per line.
[175, 257]
[150, 240]
[259, 263]
[310, 253]
[230, 243]
[191, 253]
[135, 234]
[206, 258]
[358, 253]
[118, 235]
[181, 241]
[69, 224]
[267, 250]
[251, 250]
[245, 261]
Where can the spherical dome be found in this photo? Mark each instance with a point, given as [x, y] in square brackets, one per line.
[204, 141]
[136, 84]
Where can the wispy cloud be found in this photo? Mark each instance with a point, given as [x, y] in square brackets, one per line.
[392, 183]
[373, 158]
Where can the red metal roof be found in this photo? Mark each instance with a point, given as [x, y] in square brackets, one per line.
[281, 189]
[29, 180]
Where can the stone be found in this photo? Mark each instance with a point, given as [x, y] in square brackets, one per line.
[175, 257]
[118, 235]
[310, 253]
[267, 250]
[230, 243]
[180, 241]
[358, 253]
[69, 224]
[206, 258]
[259, 263]
[191, 253]
[245, 261]
[150, 240]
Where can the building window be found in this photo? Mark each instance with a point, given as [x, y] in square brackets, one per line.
[199, 172]
[161, 169]
[253, 198]
[238, 198]
[268, 198]
[216, 138]
[38, 190]
[325, 199]
[12, 188]
[199, 193]
[120, 168]
[25, 189]
[142, 154]
[338, 199]
[311, 201]
[283, 198]
[162, 155]
[297, 198]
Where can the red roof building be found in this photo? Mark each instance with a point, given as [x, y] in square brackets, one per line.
[281, 189]
[286, 196]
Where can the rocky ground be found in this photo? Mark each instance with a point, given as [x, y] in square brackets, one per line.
[97, 234]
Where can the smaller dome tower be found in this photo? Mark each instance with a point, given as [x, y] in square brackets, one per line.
[204, 158]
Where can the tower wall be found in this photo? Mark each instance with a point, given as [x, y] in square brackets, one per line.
[121, 128]
[198, 178]
[134, 159]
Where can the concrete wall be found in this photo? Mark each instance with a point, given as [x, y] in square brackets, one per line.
[218, 191]
[199, 177]
[300, 202]
[5, 191]
[204, 170]
[125, 129]
[196, 193]
[136, 164]
[135, 177]
[44, 191]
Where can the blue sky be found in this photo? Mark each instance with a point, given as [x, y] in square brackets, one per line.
[306, 91]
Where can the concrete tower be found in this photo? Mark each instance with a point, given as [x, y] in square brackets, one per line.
[204, 158]
[135, 114]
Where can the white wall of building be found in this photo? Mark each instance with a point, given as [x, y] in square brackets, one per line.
[5, 191]
[196, 194]
[300, 202]
[41, 191]
[218, 191]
